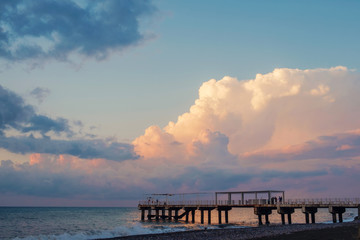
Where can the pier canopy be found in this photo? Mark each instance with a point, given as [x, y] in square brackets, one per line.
[253, 195]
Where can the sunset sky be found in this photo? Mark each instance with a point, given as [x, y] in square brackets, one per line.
[103, 101]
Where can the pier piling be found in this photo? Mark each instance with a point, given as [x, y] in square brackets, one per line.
[202, 216]
[219, 215]
[209, 216]
[337, 210]
[263, 211]
[142, 214]
[267, 219]
[306, 218]
[283, 211]
[307, 211]
[260, 219]
[157, 214]
[312, 217]
[282, 218]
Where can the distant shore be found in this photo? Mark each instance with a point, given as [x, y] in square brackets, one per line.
[336, 231]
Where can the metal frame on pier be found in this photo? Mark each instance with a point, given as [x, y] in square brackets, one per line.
[244, 193]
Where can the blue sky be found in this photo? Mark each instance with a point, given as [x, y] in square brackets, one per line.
[192, 42]
[120, 81]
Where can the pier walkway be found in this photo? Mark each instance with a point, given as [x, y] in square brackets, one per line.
[263, 207]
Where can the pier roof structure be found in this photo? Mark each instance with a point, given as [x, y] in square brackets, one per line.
[270, 194]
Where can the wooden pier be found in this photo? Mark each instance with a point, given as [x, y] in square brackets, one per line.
[263, 207]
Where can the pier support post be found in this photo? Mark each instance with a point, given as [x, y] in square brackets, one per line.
[193, 216]
[334, 217]
[176, 214]
[289, 218]
[309, 210]
[263, 211]
[282, 219]
[209, 216]
[202, 210]
[157, 214]
[219, 215]
[312, 217]
[337, 210]
[149, 213]
[202, 216]
[267, 219]
[163, 215]
[226, 216]
[306, 217]
[340, 217]
[260, 219]
[283, 211]
[170, 213]
[187, 217]
[142, 214]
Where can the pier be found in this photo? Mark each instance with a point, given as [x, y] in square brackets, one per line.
[263, 203]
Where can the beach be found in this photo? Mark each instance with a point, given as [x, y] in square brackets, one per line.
[337, 231]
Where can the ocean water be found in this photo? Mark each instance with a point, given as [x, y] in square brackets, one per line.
[60, 223]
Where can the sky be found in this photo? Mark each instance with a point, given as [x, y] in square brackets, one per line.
[104, 101]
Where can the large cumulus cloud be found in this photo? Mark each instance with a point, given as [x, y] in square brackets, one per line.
[289, 125]
[56, 28]
[284, 107]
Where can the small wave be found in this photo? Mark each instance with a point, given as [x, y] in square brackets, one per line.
[135, 229]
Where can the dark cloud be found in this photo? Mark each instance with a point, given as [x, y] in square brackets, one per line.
[40, 93]
[88, 149]
[44, 124]
[197, 179]
[269, 175]
[13, 111]
[61, 27]
[32, 180]
[16, 114]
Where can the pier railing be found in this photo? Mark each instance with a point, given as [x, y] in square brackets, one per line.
[251, 202]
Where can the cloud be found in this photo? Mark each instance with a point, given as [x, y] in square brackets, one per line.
[338, 146]
[290, 129]
[284, 107]
[65, 177]
[87, 149]
[57, 28]
[16, 115]
[288, 125]
[40, 93]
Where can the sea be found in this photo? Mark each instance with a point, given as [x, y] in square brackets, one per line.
[62, 223]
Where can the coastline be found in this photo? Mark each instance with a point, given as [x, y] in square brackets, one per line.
[335, 231]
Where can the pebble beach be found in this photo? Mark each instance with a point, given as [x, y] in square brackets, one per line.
[337, 231]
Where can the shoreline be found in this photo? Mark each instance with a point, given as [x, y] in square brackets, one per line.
[346, 230]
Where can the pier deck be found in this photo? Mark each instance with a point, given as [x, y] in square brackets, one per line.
[262, 207]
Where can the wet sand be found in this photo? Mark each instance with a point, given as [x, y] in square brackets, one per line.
[337, 231]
